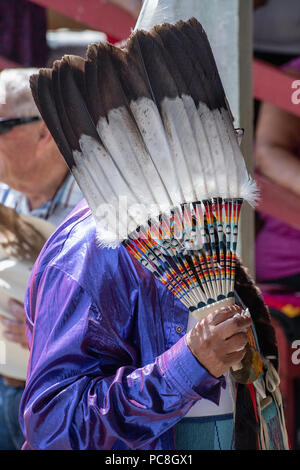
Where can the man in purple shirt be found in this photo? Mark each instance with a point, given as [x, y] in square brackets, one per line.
[111, 365]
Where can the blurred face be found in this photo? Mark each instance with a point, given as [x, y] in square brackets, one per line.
[27, 155]
[18, 151]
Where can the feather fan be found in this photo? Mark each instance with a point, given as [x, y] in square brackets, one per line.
[148, 135]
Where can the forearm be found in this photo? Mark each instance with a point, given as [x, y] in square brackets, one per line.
[86, 386]
[280, 165]
[134, 406]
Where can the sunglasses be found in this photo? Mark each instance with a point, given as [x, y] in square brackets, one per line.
[8, 124]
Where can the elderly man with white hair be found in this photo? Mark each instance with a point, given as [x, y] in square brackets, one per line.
[35, 181]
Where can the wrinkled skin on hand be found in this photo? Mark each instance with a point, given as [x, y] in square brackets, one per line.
[219, 341]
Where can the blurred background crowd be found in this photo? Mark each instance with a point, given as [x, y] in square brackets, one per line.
[36, 186]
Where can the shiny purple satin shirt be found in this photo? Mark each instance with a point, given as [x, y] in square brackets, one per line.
[109, 365]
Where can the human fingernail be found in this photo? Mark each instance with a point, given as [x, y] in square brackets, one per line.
[246, 313]
[236, 315]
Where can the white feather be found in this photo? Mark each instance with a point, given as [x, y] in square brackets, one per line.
[159, 162]
[156, 141]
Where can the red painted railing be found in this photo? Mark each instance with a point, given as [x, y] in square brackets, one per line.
[7, 64]
[101, 15]
[278, 202]
[275, 86]
[97, 14]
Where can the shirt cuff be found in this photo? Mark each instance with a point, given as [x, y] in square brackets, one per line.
[180, 367]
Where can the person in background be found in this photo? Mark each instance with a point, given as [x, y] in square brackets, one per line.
[277, 156]
[34, 181]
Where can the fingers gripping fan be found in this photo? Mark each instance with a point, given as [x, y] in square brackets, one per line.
[148, 136]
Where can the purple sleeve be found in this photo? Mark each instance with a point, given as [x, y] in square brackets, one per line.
[84, 389]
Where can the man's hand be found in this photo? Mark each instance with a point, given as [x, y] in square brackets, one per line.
[15, 328]
[218, 341]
